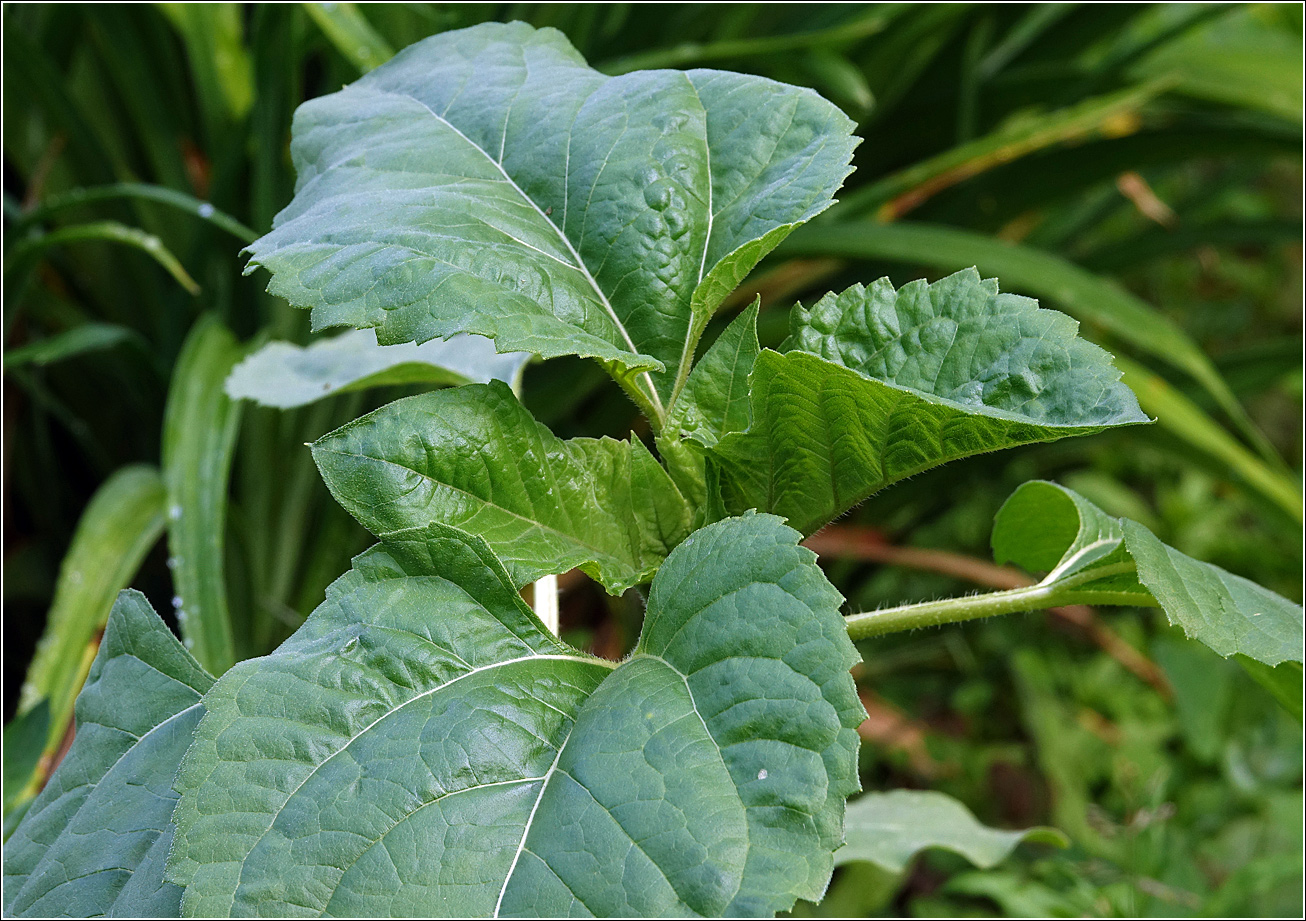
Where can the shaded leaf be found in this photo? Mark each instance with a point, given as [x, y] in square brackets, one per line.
[423, 747]
[880, 384]
[488, 181]
[95, 841]
[473, 458]
[1093, 558]
[889, 829]
[88, 337]
[24, 740]
[1283, 681]
[283, 374]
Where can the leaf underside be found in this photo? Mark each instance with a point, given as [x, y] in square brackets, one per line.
[474, 458]
[488, 181]
[889, 829]
[423, 747]
[875, 385]
[95, 840]
[1046, 527]
[286, 375]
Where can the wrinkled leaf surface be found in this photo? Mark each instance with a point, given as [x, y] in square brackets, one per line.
[423, 747]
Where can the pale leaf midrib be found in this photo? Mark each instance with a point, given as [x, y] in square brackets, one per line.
[579, 262]
[275, 814]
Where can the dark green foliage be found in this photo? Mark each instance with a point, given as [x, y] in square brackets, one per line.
[1135, 166]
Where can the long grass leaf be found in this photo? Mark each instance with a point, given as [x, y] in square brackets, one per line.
[89, 337]
[199, 436]
[348, 30]
[143, 191]
[122, 522]
[896, 194]
[26, 252]
[862, 25]
[1185, 420]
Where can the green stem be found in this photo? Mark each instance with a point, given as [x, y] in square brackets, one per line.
[972, 607]
[647, 400]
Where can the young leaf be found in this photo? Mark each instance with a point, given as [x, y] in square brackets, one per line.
[95, 841]
[715, 398]
[473, 458]
[488, 181]
[285, 375]
[423, 747]
[889, 829]
[876, 385]
[1096, 559]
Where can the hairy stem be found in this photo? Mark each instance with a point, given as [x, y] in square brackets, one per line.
[1045, 594]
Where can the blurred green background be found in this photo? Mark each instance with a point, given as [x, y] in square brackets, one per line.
[1137, 166]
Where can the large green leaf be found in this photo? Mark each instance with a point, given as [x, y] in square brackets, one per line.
[284, 375]
[473, 457]
[889, 829]
[1089, 297]
[95, 841]
[488, 181]
[423, 747]
[880, 384]
[1092, 558]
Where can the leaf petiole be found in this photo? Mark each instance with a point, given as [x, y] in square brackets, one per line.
[1050, 593]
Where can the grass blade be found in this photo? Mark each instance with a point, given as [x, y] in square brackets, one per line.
[862, 26]
[348, 30]
[199, 437]
[139, 191]
[120, 525]
[895, 195]
[1185, 420]
[89, 337]
[28, 251]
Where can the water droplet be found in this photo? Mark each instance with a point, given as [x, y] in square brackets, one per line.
[176, 601]
[350, 646]
[174, 562]
[761, 775]
[75, 577]
[206, 210]
[174, 512]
